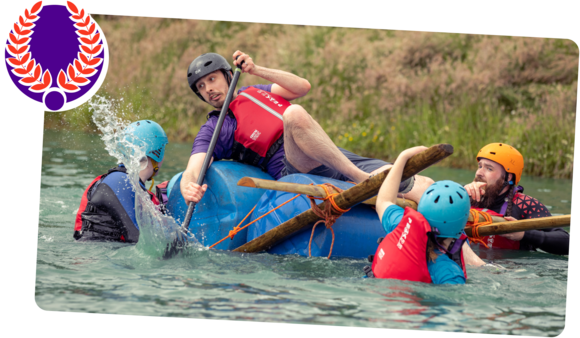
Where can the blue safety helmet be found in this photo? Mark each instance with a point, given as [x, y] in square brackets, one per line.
[150, 135]
[445, 205]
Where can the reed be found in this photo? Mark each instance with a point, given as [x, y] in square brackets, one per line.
[375, 92]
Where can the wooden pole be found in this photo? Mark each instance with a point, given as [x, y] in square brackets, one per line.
[347, 198]
[506, 227]
[307, 189]
[486, 230]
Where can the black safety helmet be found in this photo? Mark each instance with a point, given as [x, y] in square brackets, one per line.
[205, 64]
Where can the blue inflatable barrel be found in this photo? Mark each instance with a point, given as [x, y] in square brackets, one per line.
[356, 232]
[222, 207]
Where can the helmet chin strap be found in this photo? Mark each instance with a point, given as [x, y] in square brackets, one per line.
[155, 170]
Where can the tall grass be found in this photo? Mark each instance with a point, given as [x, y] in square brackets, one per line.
[375, 92]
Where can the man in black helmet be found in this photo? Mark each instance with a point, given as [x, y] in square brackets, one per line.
[263, 129]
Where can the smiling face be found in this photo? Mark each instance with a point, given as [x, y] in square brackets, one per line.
[213, 88]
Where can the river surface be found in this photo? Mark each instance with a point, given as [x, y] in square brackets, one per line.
[529, 298]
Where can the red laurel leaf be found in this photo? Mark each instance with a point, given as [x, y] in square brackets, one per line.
[36, 7]
[32, 17]
[96, 50]
[14, 62]
[37, 72]
[27, 14]
[30, 66]
[71, 72]
[83, 32]
[25, 24]
[92, 29]
[73, 9]
[80, 80]
[18, 41]
[78, 65]
[96, 38]
[28, 80]
[86, 49]
[88, 71]
[92, 41]
[84, 58]
[46, 82]
[17, 29]
[21, 71]
[80, 16]
[62, 83]
[12, 49]
[84, 24]
[94, 61]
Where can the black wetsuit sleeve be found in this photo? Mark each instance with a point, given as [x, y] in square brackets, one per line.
[105, 199]
[555, 241]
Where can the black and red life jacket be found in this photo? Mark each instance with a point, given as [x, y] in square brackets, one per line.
[402, 254]
[102, 224]
[260, 128]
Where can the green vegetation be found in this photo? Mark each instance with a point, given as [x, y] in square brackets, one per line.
[375, 92]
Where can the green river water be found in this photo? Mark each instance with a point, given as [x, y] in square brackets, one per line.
[527, 299]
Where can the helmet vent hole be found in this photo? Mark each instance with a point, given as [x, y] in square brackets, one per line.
[430, 191]
[446, 186]
[437, 199]
[207, 63]
[450, 200]
[460, 196]
[491, 152]
[189, 74]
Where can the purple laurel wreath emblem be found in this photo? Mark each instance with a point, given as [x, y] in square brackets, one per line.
[57, 55]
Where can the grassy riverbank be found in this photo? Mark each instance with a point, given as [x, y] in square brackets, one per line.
[375, 92]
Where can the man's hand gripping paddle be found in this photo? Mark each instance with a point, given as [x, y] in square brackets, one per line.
[180, 239]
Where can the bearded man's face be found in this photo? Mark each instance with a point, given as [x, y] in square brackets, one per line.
[493, 174]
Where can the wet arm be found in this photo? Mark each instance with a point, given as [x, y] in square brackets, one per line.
[556, 241]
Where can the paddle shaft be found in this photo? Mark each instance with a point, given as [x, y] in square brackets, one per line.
[347, 198]
[212, 143]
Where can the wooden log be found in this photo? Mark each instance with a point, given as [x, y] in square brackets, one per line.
[307, 189]
[347, 198]
[506, 227]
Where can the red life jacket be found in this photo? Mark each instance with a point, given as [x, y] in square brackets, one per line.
[403, 253]
[496, 241]
[260, 129]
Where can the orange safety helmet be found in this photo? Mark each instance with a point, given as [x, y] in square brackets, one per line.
[509, 158]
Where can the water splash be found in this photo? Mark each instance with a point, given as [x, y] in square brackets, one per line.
[156, 230]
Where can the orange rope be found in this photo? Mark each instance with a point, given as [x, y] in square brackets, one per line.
[237, 228]
[329, 215]
[476, 238]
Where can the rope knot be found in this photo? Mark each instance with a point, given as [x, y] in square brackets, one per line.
[329, 215]
[476, 238]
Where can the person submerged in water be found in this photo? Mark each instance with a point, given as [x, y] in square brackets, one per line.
[423, 245]
[495, 190]
[265, 130]
[107, 209]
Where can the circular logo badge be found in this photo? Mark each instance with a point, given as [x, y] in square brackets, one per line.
[57, 55]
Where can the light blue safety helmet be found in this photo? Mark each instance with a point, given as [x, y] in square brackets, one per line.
[149, 134]
[445, 205]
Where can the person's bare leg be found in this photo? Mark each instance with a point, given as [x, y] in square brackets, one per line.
[307, 146]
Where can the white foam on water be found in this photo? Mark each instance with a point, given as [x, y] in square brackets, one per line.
[156, 230]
